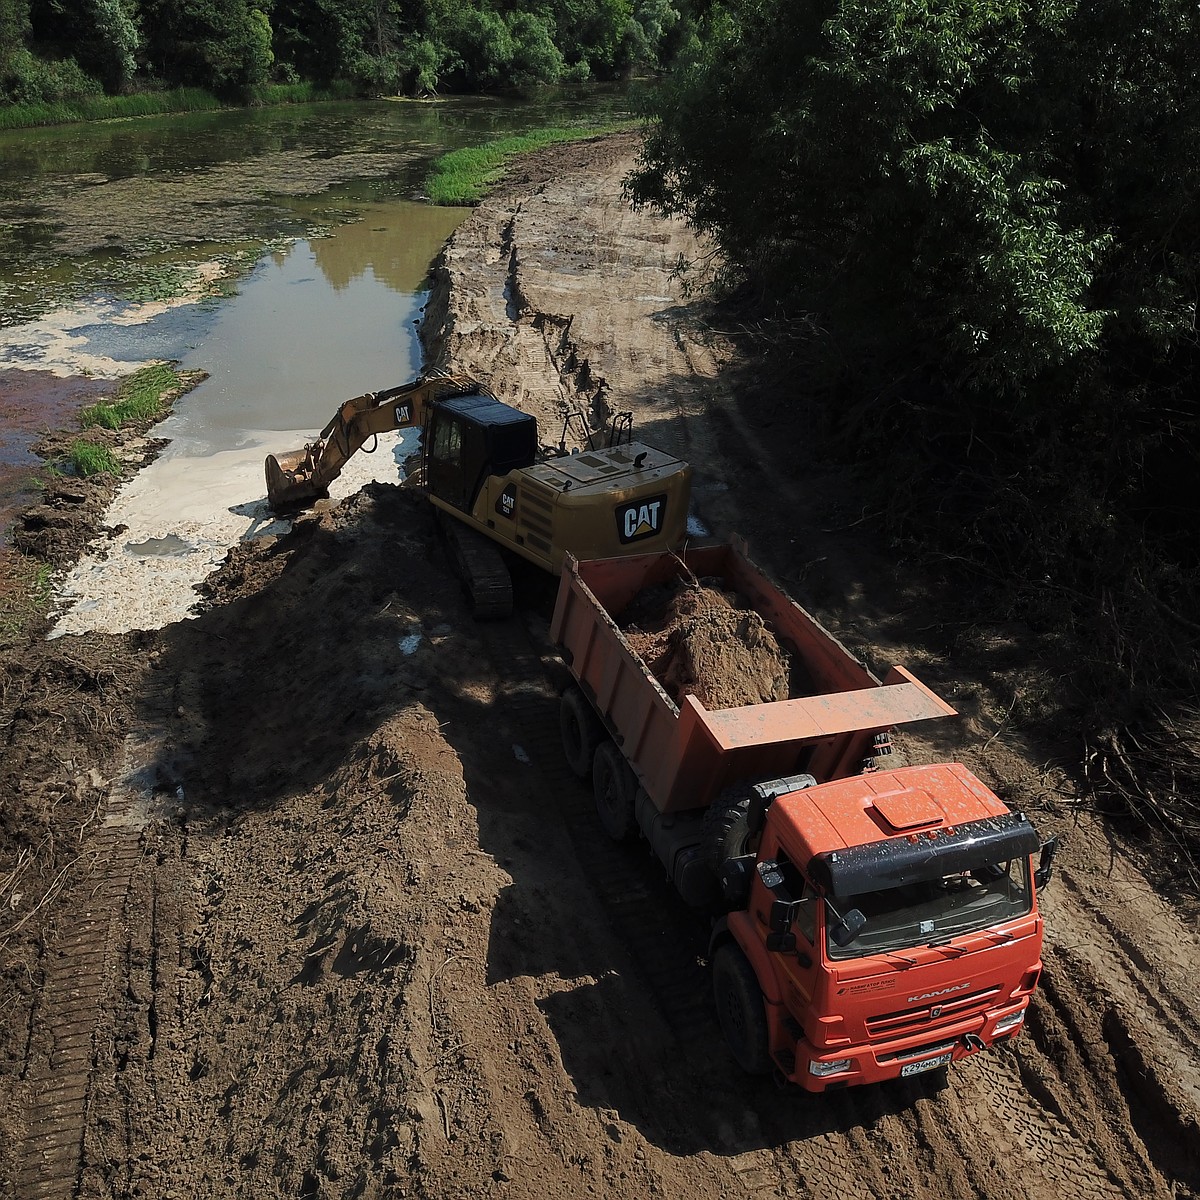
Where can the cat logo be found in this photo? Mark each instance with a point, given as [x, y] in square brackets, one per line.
[403, 415]
[506, 503]
[640, 519]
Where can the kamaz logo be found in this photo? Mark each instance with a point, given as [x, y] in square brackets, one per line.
[403, 415]
[640, 519]
[958, 987]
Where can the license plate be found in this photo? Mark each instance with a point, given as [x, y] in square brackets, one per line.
[926, 1064]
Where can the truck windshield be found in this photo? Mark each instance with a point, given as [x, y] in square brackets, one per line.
[934, 910]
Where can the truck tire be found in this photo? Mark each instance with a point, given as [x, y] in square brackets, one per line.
[741, 1010]
[614, 786]
[581, 731]
[726, 829]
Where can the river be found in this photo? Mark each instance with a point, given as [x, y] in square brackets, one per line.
[283, 251]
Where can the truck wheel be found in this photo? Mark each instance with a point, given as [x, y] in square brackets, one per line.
[615, 789]
[726, 830]
[741, 1010]
[581, 731]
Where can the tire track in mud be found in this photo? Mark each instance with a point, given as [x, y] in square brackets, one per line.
[666, 942]
[80, 980]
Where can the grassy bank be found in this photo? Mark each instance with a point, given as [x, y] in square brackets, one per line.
[141, 400]
[145, 104]
[465, 176]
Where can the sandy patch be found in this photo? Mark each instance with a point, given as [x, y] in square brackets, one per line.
[175, 522]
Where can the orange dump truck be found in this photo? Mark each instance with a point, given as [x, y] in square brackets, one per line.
[876, 922]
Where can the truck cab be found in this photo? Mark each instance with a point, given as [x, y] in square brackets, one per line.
[890, 923]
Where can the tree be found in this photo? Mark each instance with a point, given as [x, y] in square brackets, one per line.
[220, 44]
[872, 161]
[978, 221]
[14, 29]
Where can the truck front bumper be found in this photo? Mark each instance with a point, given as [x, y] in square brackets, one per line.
[848, 1066]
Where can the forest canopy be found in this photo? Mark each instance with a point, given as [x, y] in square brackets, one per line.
[52, 50]
[968, 233]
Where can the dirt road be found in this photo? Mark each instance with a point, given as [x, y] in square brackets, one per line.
[330, 918]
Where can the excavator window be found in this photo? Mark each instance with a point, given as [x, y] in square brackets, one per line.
[447, 443]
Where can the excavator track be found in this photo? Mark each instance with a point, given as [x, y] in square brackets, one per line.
[481, 568]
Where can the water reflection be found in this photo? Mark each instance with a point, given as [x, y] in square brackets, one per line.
[396, 242]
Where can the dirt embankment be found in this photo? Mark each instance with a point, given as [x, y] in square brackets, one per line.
[327, 917]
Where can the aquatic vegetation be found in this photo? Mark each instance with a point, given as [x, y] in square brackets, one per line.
[139, 398]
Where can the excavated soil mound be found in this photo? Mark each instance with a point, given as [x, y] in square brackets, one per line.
[700, 640]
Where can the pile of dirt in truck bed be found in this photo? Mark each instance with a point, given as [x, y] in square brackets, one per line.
[701, 640]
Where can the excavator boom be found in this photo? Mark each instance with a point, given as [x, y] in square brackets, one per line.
[296, 479]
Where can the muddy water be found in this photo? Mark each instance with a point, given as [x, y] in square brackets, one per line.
[282, 251]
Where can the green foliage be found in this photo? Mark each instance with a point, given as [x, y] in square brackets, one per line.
[14, 30]
[139, 399]
[90, 458]
[875, 168]
[466, 176]
[535, 57]
[30, 81]
[73, 48]
[978, 224]
[118, 42]
[590, 32]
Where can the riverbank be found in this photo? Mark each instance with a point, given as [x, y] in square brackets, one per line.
[342, 920]
[150, 104]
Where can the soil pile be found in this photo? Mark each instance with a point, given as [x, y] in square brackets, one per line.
[701, 640]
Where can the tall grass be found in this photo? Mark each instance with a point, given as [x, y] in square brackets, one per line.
[89, 458]
[139, 398]
[466, 176]
[145, 104]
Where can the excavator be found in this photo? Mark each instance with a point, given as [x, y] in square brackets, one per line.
[496, 488]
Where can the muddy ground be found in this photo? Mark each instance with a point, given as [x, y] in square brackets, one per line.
[298, 898]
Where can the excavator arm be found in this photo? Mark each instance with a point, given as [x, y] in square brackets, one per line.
[296, 479]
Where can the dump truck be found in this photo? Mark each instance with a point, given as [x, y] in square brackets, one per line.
[496, 487]
[869, 923]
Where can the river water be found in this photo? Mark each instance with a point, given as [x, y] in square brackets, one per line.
[307, 223]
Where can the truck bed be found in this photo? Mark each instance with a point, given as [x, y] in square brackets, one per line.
[684, 755]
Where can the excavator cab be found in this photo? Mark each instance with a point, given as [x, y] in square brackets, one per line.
[469, 438]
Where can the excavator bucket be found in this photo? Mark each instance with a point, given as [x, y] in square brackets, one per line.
[290, 482]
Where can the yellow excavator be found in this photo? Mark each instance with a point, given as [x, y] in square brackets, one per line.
[481, 463]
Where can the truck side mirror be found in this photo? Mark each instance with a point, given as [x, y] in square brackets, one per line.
[848, 928]
[1045, 867]
[783, 912]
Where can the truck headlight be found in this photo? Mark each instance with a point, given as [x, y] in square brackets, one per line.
[834, 1067]
[1010, 1022]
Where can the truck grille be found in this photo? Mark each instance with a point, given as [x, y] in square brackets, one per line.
[949, 1008]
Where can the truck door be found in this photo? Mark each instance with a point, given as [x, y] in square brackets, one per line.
[800, 965]
[444, 458]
